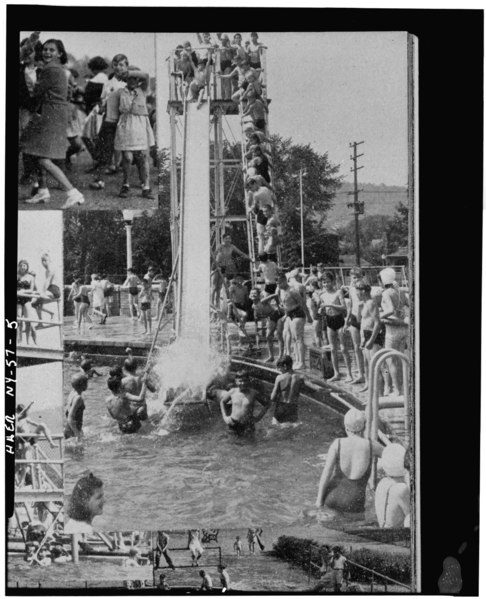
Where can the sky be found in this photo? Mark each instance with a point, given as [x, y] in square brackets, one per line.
[40, 232]
[327, 89]
[42, 384]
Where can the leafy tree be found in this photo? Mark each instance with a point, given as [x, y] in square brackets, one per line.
[378, 235]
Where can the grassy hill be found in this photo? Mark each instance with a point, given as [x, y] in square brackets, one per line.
[378, 199]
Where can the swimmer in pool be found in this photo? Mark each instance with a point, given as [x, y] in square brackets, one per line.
[88, 369]
[133, 382]
[127, 409]
[286, 392]
[75, 407]
[242, 399]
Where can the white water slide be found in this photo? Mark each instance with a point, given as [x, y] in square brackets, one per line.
[194, 248]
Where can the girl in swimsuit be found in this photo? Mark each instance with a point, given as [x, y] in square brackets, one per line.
[26, 286]
[332, 304]
[342, 487]
[50, 289]
[83, 296]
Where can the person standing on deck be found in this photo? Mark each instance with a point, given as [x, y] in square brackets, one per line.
[353, 321]
[296, 313]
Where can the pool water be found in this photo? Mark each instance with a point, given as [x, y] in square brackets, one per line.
[200, 476]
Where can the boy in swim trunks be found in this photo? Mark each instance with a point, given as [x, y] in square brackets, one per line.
[372, 330]
[264, 310]
[296, 312]
[241, 399]
[132, 282]
[286, 392]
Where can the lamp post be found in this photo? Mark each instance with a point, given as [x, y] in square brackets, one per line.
[128, 220]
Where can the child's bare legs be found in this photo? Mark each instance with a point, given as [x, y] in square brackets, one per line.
[334, 340]
[356, 338]
[43, 430]
[317, 329]
[287, 337]
[132, 305]
[127, 158]
[200, 99]
[346, 357]
[142, 162]
[271, 326]
[194, 89]
[280, 339]
[56, 172]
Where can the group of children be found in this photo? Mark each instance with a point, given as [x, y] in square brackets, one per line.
[97, 292]
[253, 536]
[238, 67]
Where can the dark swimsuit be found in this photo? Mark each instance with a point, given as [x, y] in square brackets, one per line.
[286, 412]
[344, 494]
[379, 339]
[335, 322]
[353, 321]
[23, 285]
[56, 292]
[84, 299]
[133, 290]
[241, 428]
[296, 313]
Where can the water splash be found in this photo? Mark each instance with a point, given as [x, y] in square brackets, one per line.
[185, 369]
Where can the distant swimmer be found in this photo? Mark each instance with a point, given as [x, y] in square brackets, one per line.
[238, 546]
[286, 392]
[241, 399]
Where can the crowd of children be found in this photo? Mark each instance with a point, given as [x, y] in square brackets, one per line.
[97, 292]
[112, 117]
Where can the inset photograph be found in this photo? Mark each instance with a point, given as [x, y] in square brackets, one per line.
[110, 560]
[39, 286]
[273, 559]
[36, 525]
[86, 121]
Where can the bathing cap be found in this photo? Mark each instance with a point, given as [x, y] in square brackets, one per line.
[294, 273]
[354, 420]
[392, 459]
[387, 276]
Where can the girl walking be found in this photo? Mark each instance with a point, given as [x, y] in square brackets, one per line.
[134, 135]
[45, 136]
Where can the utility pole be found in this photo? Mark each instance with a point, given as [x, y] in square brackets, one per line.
[356, 205]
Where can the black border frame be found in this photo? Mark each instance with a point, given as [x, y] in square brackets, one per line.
[450, 229]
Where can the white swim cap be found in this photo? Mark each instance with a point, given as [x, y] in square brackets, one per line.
[387, 276]
[294, 273]
[392, 459]
[354, 420]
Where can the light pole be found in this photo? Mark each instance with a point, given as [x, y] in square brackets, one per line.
[301, 220]
[128, 217]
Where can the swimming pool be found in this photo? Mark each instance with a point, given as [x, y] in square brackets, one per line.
[202, 476]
